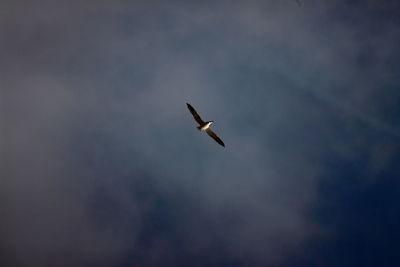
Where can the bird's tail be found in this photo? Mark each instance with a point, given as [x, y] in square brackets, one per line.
[198, 128]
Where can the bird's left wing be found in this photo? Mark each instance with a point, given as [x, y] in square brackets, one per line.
[215, 137]
[196, 116]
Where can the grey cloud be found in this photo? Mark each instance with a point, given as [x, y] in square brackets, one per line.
[98, 135]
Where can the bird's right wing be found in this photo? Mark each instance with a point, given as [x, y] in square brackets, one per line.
[215, 137]
[195, 115]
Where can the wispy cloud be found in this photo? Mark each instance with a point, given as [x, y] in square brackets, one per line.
[103, 164]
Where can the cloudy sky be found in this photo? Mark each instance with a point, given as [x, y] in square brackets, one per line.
[101, 164]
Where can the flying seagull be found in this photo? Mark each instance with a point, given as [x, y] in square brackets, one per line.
[204, 125]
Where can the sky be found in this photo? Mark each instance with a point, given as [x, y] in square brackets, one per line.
[101, 163]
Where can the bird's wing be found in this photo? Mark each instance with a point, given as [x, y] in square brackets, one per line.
[215, 137]
[195, 115]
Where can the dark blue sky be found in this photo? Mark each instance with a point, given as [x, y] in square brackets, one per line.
[101, 164]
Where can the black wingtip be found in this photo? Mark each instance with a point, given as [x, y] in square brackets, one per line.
[190, 107]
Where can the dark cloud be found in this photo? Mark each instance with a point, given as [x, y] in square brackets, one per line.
[102, 165]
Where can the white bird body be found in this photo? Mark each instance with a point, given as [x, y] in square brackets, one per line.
[205, 126]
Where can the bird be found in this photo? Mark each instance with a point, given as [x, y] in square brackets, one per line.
[204, 125]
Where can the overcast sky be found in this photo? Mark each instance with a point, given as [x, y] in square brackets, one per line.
[101, 163]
